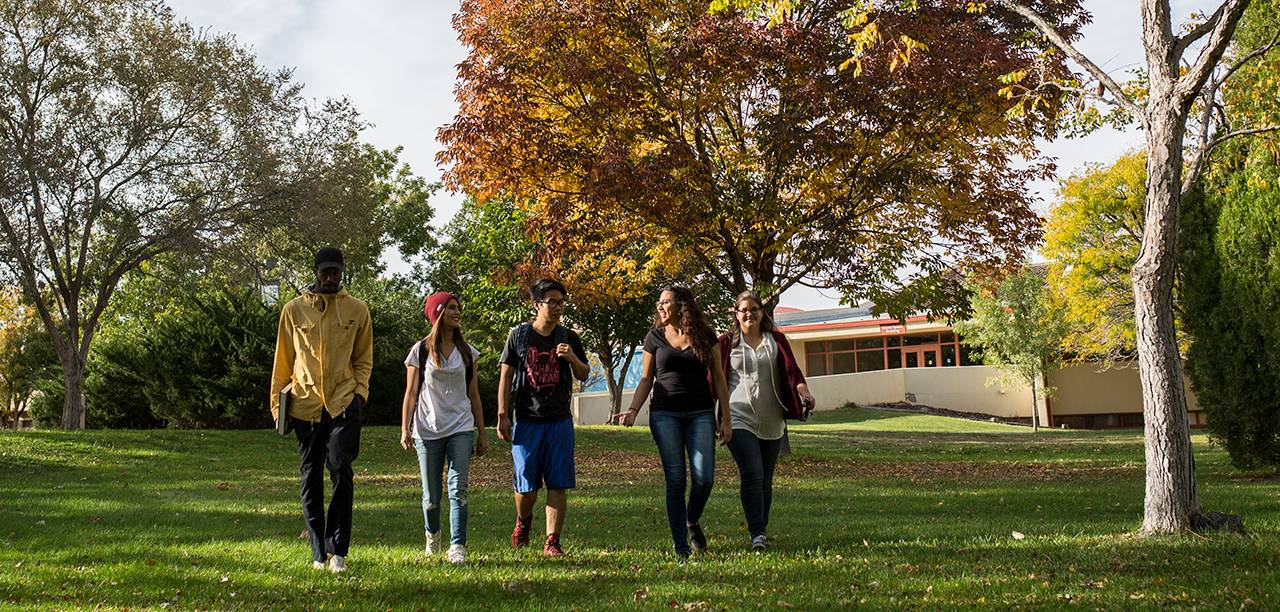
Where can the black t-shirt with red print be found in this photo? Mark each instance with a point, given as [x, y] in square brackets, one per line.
[547, 392]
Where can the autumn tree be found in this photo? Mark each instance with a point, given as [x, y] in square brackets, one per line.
[744, 148]
[1018, 328]
[1092, 237]
[24, 355]
[1177, 102]
[125, 134]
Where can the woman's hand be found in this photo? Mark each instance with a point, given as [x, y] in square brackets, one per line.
[625, 419]
[726, 431]
[482, 443]
[406, 440]
[806, 398]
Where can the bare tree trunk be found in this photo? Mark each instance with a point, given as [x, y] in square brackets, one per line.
[73, 371]
[615, 394]
[1171, 497]
[1035, 408]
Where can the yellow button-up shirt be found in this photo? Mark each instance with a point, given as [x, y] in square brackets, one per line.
[324, 345]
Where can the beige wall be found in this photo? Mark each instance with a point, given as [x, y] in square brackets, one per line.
[863, 388]
[1080, 389]
[966, 389]
[593, 408]
[1087, 389]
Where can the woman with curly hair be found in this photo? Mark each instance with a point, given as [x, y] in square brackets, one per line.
[681, 365]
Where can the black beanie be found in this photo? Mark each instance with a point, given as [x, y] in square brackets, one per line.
[329, 257]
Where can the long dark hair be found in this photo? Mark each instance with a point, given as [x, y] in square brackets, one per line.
[766, 321]
[691, 321]
[434, 339]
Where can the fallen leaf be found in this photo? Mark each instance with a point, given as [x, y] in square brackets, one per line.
[1018, 535]
[224, 579]
[151, 562]
[640, 594]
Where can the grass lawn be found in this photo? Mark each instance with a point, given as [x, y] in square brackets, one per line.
[873, 510]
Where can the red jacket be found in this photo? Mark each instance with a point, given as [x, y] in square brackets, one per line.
[792, 377]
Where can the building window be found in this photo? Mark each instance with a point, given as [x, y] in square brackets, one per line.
[829, 357]
[870, 360]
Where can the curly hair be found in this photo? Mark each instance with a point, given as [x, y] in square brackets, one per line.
[690, 320]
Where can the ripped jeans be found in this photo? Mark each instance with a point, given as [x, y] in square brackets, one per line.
[431, 461]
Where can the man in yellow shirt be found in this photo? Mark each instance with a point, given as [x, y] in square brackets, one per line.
[324, 346]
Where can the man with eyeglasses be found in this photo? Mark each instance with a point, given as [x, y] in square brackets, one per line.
[539, 362]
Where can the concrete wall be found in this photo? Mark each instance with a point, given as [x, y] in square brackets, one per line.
[966, 389]
[593, 408]
[1086, 389]
[1079, 389]
[962, 389]
[877, 387]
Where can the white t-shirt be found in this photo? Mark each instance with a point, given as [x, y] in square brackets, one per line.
[443, 406]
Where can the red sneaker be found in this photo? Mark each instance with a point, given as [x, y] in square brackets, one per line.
[552, 547]
[520, 535]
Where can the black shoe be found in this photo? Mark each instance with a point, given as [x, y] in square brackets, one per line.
[697, 540]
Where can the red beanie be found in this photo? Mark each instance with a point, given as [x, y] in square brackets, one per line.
[435, 303]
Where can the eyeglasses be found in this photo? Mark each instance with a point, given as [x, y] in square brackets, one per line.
[754, 311]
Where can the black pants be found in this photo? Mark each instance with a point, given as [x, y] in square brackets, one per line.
[333, 442]
[756, 460]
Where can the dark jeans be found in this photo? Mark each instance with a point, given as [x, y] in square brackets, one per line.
[678, 434]
[333, 442]
[756, 459]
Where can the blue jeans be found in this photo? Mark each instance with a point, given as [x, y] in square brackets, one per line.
[756, 459]
[431, 461]
[678, 434]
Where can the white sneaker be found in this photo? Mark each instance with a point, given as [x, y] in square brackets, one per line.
[337, 564]
[317, 565]
[433, 543]
[759, 543]
[457, 554]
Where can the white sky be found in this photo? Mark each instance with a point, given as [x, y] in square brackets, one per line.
[396, 60]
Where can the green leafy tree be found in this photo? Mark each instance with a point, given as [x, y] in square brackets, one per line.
[1231, 274]
[482, 259]
[126, 134]
[1230, 265]
[1018, 328]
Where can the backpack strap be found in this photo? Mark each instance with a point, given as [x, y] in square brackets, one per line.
[520, 334]
[422, 363]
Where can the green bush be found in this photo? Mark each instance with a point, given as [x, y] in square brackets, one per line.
[1231, 294]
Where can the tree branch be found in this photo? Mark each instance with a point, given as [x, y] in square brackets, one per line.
[1186, 40]
[1067, 48]
[1228, 17]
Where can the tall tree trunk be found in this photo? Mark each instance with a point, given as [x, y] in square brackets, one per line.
[73, 371]
[1171, 497]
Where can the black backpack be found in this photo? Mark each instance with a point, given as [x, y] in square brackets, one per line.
[523, 334]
